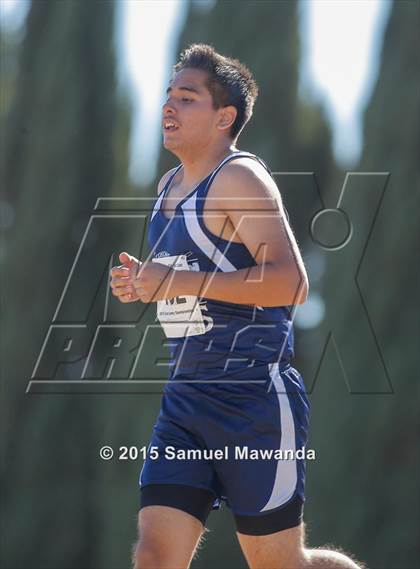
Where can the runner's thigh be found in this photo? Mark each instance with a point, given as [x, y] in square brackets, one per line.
[168, 535]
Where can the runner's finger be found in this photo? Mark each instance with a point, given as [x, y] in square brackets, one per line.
[127, 298]
[115, 282]
[119, 271]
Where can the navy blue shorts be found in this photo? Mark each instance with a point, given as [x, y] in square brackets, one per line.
[243, 443]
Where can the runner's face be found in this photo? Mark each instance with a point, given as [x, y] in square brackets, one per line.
[188, 117]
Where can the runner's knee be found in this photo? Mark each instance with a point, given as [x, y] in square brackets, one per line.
[148, 556]
[167, 538]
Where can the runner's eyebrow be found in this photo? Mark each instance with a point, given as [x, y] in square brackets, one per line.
[183, 88]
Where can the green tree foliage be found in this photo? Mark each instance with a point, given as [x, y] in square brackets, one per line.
[9, 47]
[366, 481]
[57, 160]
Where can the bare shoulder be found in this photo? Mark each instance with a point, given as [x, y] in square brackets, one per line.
[247, 180]
[164, 179]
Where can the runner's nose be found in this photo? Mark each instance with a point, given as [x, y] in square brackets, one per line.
[168, 108]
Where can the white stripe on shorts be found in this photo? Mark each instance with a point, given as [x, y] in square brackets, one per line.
[286, 474]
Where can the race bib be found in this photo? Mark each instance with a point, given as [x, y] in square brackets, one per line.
[180, 316]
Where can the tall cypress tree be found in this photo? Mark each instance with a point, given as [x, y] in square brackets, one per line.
[372, 452]
[57, 161]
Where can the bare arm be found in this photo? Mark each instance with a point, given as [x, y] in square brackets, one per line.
[255, 209]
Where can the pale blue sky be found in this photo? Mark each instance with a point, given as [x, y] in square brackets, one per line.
[341, 40]
[341, 45]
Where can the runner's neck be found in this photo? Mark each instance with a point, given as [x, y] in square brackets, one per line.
[195, 170]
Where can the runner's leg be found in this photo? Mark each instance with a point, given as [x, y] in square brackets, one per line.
[286, 550]
[167, 538]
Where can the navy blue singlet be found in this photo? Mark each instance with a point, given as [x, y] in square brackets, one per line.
[236, 339]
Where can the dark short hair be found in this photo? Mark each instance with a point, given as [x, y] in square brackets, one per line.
[229, 81]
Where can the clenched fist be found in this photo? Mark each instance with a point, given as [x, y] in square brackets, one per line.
[122, 278]
[134, 280]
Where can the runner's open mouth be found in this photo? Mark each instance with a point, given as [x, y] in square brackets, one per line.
[170, 126]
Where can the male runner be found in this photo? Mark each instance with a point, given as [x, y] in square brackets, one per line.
[225, 273]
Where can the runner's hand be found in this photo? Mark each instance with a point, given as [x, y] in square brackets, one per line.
[122, 278]
[149, 283]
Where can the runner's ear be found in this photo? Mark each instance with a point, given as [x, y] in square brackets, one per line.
[227, 117]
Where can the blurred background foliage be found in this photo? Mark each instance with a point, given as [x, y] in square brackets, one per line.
[65, 128]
